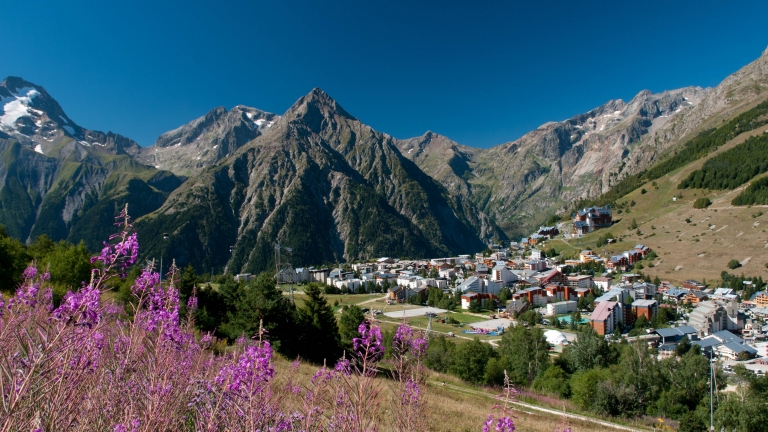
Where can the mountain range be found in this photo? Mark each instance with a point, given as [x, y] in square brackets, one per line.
[226, 186]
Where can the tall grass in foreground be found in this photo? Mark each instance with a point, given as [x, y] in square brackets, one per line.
[92, 365]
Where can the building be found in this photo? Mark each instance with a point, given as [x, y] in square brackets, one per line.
[533, 296]
[693, 285]
[760, 299]
[676, 334]
[500, 273]
[646, 308]
[694, 297]
[580, 281]
[591, 218]
[319, 275]
[536, 254]
[549, 232]
[538, 265]
[563, 307]
[470, 296]
[710, 317]
[604, 318]
[603, 283]
[245, 277]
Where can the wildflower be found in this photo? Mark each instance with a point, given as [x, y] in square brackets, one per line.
[192, 305]
[82, 307]
[368, 346]
[253, 369]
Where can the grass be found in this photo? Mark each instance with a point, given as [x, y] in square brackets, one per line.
[696, 250]
[456, 406]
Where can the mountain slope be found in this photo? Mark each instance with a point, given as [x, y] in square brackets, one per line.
[318, 181]
[60, 179]
[206, 140]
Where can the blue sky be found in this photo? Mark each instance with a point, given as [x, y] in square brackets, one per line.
[482, 73]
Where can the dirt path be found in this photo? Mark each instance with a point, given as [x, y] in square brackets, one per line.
[538, 408]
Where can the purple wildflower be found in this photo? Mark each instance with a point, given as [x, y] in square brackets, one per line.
[252, 371]
[82, 307]
[192, 305]
[29, 273]
[369, 345]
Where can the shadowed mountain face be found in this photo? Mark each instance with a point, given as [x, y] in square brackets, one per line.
[318, 180]
[60, 179]
[323, 183]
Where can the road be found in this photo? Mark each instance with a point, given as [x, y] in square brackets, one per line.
[538, 408]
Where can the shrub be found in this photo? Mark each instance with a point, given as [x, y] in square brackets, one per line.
[734, 263]
[643, 191]
[702, 203]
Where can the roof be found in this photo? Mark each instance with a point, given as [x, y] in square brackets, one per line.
[726, 336]
[759, 293]
[608, 296]
[723, 291]
[643, 303]
[738, 348]
[675, 331]
[707, 342]
[603, 311]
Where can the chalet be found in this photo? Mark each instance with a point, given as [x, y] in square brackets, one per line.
[630, 277]
[694, 297]
[586, 256]
[617, 262]
[674, 294]
[760, 299]
[693, 285]
[644, 250]
[633, 256]
[535, 239]
[549, 232]
[513, 307]
[591, 218]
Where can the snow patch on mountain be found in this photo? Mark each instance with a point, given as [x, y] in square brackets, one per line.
[16, 107]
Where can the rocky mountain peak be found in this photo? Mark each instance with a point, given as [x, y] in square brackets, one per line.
[317, 109]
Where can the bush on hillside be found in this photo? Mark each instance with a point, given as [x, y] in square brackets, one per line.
[734, 263]
[702, 203]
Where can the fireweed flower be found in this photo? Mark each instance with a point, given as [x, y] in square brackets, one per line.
[251, 372]
[82, 307]
[410, 394]
[192, 305]
[368, 346]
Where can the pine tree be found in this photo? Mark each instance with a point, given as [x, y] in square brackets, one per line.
[350, 320]
[318, 331]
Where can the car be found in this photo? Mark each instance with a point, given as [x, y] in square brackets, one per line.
[377, 312]
[365, 310]
[545, 322]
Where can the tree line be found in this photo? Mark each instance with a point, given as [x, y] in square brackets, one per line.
[731, 168]
[698, 147]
